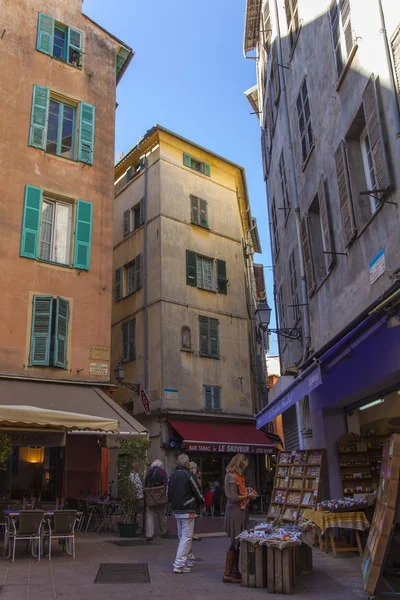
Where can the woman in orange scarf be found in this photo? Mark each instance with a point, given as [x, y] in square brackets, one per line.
[238, 496]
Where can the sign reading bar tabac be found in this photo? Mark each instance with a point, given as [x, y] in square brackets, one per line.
[228, 448]
[99, 353]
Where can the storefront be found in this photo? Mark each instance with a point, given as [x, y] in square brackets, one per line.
[56, 432]
[213, 444]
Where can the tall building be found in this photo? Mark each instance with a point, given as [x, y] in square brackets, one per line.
[185, 292]
[327, 94]
[60, 71]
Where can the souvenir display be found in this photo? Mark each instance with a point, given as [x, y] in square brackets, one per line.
[281, 535]
[298, 484]
[342, 505]
[355, 469]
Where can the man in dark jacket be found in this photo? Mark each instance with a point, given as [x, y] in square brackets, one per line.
[156, 477]
[185, 498]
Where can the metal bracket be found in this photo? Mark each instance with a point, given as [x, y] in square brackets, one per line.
[291, 334]
[373, 193]
[335, 253]
[134, 387]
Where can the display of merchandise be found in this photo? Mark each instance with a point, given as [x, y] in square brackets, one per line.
[355, 468]
[298, 484]
[265, 534]
[342, 505]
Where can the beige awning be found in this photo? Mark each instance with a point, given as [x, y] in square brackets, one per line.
[87, 402]
[32, 416]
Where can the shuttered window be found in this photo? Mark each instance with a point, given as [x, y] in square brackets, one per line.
[281, 307]
[345, 198]
[395, 45]
[204, 273]
[31, 222]
[60, 129]
[342, 34]
[83, 235]
[292, 20]
[55, 231]
[118, 283]
[200, 273]
[325, 224]
[284, 186]
[209, 337]
[86, 133]
[49, 332]
[212, 397]
[198, 208]
[304, 120]
[294, 290]
[275, 75]
[196, 165]
[133, 218]
[275, 230]
[133, 275]
[39, 116]
[308, 262]
[221, 277]
[267, 28]
[129, 340]
[59, 41]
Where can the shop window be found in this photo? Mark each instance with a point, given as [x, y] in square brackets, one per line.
[49, 332]
[129, 340]
[59, 41]
[212, 397]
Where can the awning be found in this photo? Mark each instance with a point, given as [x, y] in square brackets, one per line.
[251, 25]
[84, 400]
[32, 416]
[222, 437]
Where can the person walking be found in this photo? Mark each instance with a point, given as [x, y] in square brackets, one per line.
[236, 516]
[185, 498]
[155, 485]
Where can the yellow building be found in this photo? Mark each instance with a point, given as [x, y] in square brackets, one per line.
[184, 241]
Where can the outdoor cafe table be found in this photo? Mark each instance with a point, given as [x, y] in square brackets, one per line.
[326, 521]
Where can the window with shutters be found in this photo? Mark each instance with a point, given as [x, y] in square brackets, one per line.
[49, 332]
[196, 165]
[129, 340]
[304, 120]
[209, 337]
[59, 41]
[342, 34]
[133, 275]
[317, 242]
[275, 230]
[47, 229]
[362, 166]
[133, 218]
[267, 28]
[200, 273]
[395, 46]
[293, 23]
[284, 187]
[294, 290]
[205, 273]
[62, 126]
[198, 211]
[281, 307]
[212, 397]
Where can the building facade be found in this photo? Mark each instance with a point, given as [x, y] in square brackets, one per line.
[56, 182]
[184, 299]
[327, 95]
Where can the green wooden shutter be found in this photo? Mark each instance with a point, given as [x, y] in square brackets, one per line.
[138, 271]
[74, 47]
[61, 333]
[86, 133]
[127, 221]
[214, 341]
[39, 117]
[31, 222]
[191, 268]
[129, 174]
[203, 213]
[221, 277]
[125, 341]
[45, 34]
[118, 284]
[206, 169]
[132, 339]
[187, 160]
[217, 398]
[194, 209]
[41, 331]
[204, 336]
[208, 402]
[83, 235]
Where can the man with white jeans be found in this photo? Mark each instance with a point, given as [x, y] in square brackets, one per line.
[185, 497]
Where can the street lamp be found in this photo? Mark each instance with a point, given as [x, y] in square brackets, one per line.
[119, 373]
[263, 317]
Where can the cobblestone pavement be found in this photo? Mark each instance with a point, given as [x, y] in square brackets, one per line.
[26, 579]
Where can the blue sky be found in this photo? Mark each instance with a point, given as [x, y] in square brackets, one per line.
[189, 74]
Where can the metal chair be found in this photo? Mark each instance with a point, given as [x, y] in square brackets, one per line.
[87, 513]
[63, 528]
[28, 529]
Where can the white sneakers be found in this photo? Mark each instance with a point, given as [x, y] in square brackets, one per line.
[182, 570]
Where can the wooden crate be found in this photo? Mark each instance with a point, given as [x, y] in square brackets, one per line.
[254, 565]
[281, 570]
[303, 559]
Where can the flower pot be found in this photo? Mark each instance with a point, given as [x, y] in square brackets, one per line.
[127, 530]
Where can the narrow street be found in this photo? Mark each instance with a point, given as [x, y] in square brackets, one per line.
[26, 579]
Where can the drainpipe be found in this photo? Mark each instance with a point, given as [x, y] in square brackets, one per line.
[393, 96]
[145, 286]
[292, 169]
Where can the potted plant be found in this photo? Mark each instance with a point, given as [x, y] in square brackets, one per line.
[131, 471]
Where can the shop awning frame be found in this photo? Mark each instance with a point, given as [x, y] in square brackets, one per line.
[60, 420]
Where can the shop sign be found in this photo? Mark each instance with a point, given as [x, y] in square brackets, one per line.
[37, 438]
[229, 448]
[99, 353]
[113, 441]
[377, 266]
[98, 368]
[171, 394]
[145, 402]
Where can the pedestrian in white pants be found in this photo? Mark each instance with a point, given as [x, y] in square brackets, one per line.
[185, 499]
